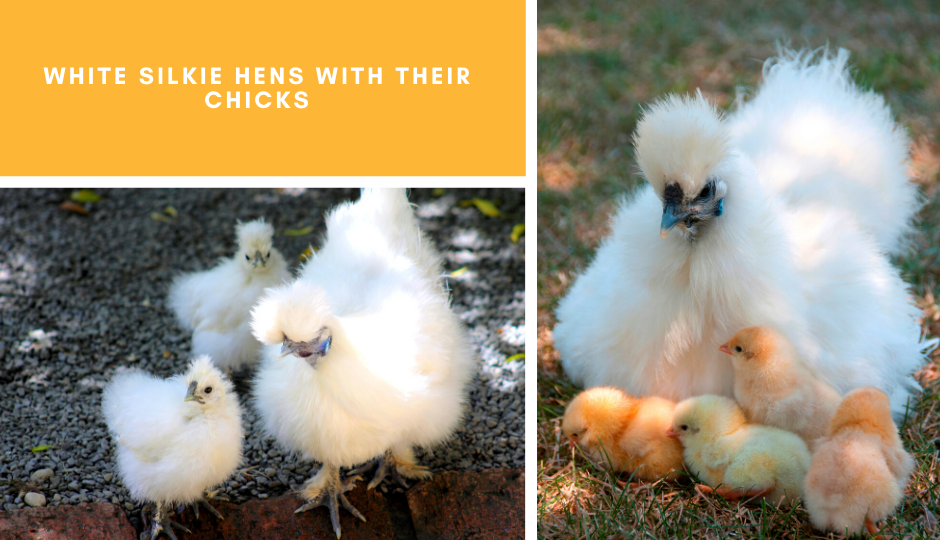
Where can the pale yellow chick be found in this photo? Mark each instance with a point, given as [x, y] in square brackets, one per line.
[610, 425]
[736, 458]
[775, 388]
[860, 469]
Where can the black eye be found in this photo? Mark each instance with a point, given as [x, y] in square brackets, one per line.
[737, 348]
[706, 191]
[268, 255]
[208, 389]
[247, 258]
[684, 427]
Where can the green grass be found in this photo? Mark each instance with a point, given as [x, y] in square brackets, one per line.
[599, 63]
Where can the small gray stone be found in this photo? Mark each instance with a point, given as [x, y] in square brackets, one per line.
[270, 472]
[35, 499]
[41, 475]
[108, 477]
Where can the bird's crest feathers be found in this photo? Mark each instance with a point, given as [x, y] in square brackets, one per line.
[254, 235]
[204, 373]
[680, 139]
[298, 311]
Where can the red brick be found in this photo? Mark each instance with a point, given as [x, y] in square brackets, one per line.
[94, 521]
[465, 505]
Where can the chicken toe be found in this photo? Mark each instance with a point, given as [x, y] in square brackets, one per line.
[163, 524]
[327, 489]
[398, 464]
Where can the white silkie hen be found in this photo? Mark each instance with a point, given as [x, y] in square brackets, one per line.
[216, 304]
[176, 438]
[750, 248]
[364, 357]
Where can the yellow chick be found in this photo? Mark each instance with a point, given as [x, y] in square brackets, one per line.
[736, 458]
[610, 425]
[775, 388]
[860, 469]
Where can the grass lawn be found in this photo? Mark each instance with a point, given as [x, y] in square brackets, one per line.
[598, 63]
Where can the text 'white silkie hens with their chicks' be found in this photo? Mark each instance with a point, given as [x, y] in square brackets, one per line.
[216, 304]
[364, 357]
[780, 214]
[174, 438]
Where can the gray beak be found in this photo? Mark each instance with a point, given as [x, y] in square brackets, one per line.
[191, 393]
[672, 215]
[258, 259]
[285, 349]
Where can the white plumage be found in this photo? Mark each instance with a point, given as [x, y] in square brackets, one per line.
[364, 356]
[803, 253]
[175, 438]
[216, 304]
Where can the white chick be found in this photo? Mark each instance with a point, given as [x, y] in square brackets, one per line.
[176, 438]
[860, 470]
[774, 388]
[364, 356]
[736, 458]
[216, 304]
[707, 248]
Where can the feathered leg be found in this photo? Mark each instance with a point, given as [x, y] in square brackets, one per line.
[163, 524]
[399, 464]
[326, 489]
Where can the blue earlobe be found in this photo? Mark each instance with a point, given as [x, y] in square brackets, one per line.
[324, 346]
[721, 207]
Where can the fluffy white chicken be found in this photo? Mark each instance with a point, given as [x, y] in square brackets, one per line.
[748, 248]
[175, 438]
[364, 357]
[216, 304]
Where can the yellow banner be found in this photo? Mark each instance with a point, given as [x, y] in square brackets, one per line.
[262, 88]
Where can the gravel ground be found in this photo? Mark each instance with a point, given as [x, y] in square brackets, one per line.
[99, 282]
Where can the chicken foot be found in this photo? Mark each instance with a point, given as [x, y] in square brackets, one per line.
[163, 524]
[326, 489]
[399, 464]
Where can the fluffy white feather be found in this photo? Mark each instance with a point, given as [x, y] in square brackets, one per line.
[395, 371]
[171, 449]
[815, 137]
[649, 314]
[216, 304]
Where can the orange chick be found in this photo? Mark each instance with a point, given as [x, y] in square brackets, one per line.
[860, 469]
[629, 433]
[774, 387]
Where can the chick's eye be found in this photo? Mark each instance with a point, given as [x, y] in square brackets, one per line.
[247, 258]
[738, 348]
[268, 255]
[684, 427]
[208, 389]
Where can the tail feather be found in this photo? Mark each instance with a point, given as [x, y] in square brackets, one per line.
[817, 137]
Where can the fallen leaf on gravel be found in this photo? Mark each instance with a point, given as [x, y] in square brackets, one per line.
[85, 195]
[517, 232]
[170, 211]
[307, 253]
[459, 272]
[513, 358]
[484, 206]
[73, 207]
[166, 354]
[298, 232]
[438, 192]
[41, 448]
[160, 217]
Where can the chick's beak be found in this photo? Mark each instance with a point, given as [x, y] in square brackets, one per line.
[725, 348]
[672, 433]
[672, 215]
[191, 393]
[258, 259]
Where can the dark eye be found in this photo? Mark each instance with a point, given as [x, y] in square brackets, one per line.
[684, 427]
[706, 191]
[247, 258]
[208, 389]
[268, 255]
[574, 435]
[737, 348]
